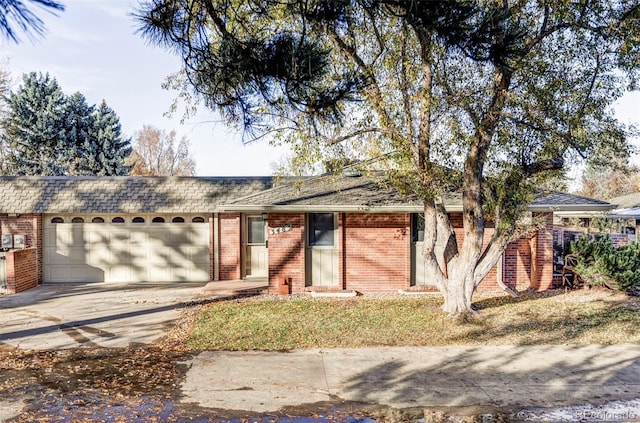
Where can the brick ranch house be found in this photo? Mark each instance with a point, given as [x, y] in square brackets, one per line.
[321, 233]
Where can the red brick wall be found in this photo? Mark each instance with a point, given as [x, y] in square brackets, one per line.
[31, 226]
[542, 252]
[375, 252]
[286, 233]
[230, 244]
[21, 270]
[517, 264]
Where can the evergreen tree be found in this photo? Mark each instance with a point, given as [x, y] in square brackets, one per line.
[108, 149]
[78, 135]
[51, 134]
[35, 127]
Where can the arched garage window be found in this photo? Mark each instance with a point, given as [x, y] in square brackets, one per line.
[138, 220]
[77, 220]
[198, 219]
[117, 220]
[57, 220]
[177, 220]
[158, 220]
[97, 220]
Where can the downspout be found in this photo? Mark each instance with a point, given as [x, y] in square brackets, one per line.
[216, 248]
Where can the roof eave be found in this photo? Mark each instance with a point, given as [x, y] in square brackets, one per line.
[320, 208]
[594, 208]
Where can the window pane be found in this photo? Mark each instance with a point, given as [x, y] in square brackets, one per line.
[255, 229]
[321, 229]
[417, 227]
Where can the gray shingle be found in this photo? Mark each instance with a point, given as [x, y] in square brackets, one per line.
[123, 194]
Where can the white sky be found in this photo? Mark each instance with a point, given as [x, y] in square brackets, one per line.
[92, 47]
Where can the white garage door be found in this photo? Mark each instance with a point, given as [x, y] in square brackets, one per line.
[125, 248]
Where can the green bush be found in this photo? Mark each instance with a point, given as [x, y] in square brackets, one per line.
[600, 264]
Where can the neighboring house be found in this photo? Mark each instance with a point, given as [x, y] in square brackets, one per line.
[627, 210]
[322, 233]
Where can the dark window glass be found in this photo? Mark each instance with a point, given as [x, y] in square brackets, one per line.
[97, 220]
[198, 220]
[77, 220]
[117, 220]
[138, 220]
[57, 220]
[321, 229]
[417, 227]
[158, 220]
[177, 220]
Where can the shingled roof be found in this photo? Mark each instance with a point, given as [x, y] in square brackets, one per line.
[562, 201]
[123, 194]
[328, 193]
[374, 193]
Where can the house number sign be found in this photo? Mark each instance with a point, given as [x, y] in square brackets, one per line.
[280, 229]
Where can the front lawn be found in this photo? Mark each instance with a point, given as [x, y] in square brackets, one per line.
[264, 323]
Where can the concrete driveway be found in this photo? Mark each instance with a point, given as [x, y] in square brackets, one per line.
[92, 315]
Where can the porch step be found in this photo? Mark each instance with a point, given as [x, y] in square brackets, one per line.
[240, 287]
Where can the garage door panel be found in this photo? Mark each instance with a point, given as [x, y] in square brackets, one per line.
[198, 234]
[119, 237]
[58, 256]
[125, 252]
[198, 255]
[119, 273]
[96, 235]
[100, 257]
[138, 237]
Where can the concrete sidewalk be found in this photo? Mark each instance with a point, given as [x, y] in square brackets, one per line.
[500, 376]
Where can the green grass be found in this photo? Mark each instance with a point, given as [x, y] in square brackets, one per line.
[582, 317]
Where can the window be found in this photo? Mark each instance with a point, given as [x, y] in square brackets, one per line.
[158, 220]
[321, 229]
[198, 219]
[117, 220]
[417, 227]
[97, 220]
[57, 220]
[177, 220]
[255, 230]
[138, 220]
[77, 220]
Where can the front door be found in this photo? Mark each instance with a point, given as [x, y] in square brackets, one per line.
[322, 251]
[256, 264]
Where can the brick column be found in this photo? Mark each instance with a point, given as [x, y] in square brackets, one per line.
[286, 251]
[21, 270]
[542, 254]
[230, 244]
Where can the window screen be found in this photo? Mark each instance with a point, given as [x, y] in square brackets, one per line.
[321, 229]
[255, 234]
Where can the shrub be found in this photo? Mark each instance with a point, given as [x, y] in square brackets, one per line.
[600, 264]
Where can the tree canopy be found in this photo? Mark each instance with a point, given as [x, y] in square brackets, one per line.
[17, 17]
[159, 153]
[484, 98]
[49, 133]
